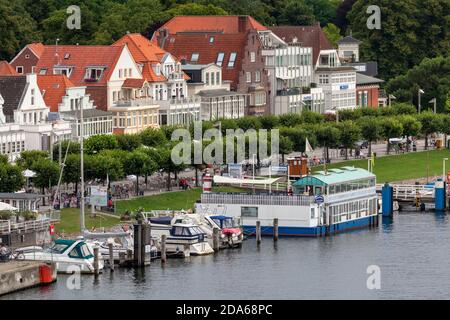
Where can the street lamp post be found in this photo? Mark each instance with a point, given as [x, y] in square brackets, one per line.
[443, 168]
[434, 102]
[420, 92]
[254, 155]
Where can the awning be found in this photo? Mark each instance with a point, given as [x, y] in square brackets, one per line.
[7, 207]
[29, 173]
[229, 180]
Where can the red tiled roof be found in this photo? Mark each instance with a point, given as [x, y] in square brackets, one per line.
[37, 48]
[223, 24]
[149, 74]
[53, 88]
[309, 36]
[80, 57]
[182, 46]
[141, 48]
[6, 69]
[133, 83]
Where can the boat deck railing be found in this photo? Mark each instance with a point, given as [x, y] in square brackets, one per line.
[255, 199]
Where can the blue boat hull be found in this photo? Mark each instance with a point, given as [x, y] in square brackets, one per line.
[315, 231]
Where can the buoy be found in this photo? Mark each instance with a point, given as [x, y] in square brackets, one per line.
[207, 183]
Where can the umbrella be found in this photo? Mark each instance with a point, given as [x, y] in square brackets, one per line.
[29, 174]
[7, 207]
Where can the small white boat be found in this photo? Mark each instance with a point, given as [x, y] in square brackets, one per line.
[183, 237]
[231, 235]
[69, 255]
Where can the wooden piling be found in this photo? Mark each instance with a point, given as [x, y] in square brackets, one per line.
[216, 239]
[258, 232]
[121, 258]
[186, 251]
[96, 262]
[129, 254]
[275, 229]
[111, 256]
[163, 249]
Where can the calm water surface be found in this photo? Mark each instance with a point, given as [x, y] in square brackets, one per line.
[412, 251]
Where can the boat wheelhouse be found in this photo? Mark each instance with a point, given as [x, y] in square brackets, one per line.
[323, 203]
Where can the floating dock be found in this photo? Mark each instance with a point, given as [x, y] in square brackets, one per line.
[18, 275]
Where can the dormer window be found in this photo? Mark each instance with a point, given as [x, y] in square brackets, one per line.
[158, 69]
[67, 71]
[211, 40]
[93, 73]
[43, 71]
[67, 56]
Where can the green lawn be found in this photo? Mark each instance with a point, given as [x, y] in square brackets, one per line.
[70, 221]
[172, 200]
[402, 167]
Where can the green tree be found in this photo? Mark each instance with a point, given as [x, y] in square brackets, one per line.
[328, 136]
[297, 13]
[269, 121]
[74, 148]
[371, 130]
[402, 42]
[333, 33]
[343, 9]
[431, 75]
[27, 158]
[96, 144]
[138, 163]
[11, 177]
[350, 133]
[324, 10]
[411, 126]
[17, 29]
[128, 142]
[196, 9]
[286, 147]
[151, 137]
[391, 128]
[47, 174]
[431, 123]
[290, 119]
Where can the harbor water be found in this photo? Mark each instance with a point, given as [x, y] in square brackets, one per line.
[411, 251]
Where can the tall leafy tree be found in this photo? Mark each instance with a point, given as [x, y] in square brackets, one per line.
[350, 133]
[371, 130]
[47, 174]
[11, 177]
[431, 123]
[392, 128]
[297, 13]
[17, 29]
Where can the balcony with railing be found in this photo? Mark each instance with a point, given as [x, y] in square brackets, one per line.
[256, 199]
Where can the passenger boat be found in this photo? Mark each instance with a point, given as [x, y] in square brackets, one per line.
[69, 255]
[183, 237]
[324, 203]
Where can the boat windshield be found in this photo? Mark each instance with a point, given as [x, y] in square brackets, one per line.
[228, 223]
[196, 231]
[81, 251]
[58, 248]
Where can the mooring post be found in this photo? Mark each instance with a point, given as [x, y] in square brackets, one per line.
[129, 254]
[387, 196]
[258, 232]
[146, 246]
[216, 239]
[121, 258]
[96, 262]
[138, 244]
[163, 248]
[275, 229]
[111, 256]
[186, 251]
[439, 195]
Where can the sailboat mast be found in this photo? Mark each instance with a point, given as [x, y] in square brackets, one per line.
[82, 223]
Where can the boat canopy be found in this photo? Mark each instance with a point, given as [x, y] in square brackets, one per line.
[161, 220]
[220, 218]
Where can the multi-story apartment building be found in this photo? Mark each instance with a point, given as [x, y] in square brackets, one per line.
[291, 73]
[231, 42]
[217, 101]
[165, 81]
[24, 117]
[337, 82]
[63, 97]
[111, 78]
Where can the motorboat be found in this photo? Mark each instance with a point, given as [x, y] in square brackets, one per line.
[231, 234]
[70, 256]
[183, 237]
[123, 245]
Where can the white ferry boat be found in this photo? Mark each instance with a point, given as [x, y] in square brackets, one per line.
[321, 204]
